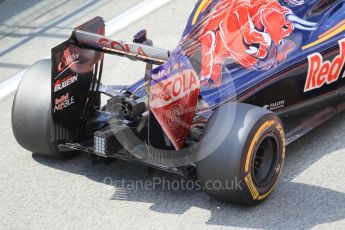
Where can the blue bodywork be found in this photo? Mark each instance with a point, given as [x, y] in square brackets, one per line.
[238, 80]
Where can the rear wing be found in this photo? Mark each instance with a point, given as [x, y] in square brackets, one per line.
[77, 69]
[134, 51]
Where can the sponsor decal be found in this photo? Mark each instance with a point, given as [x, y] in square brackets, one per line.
[165, 72]
[275, 105]
[248, 32]
[174, 116]
[160, 74]
[111, 44]
[126, 48]
[253, 191]
[67, 60]
[63, 83]
[322, 72]
[63, 102]
[174, 93]
[174, 88]
[282, 134]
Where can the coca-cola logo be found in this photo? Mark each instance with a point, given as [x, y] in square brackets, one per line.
[175, 87]
[119, 46]
[322, 72]
[174, 116]
[112, 44]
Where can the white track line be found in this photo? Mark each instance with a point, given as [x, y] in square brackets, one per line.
[11, 84]
[112, 26]
[133, 14]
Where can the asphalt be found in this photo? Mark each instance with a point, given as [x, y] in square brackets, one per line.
[42, 193]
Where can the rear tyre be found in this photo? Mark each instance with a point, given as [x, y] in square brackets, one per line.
[247, 155]
[32, 122]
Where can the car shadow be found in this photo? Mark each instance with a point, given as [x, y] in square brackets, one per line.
[292, 205]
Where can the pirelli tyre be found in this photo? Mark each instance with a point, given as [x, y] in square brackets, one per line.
[241, 160]
[32, 123]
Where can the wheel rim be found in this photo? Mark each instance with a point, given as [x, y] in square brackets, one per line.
[264, 160]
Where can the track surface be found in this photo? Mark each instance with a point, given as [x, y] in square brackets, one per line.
[37, 193]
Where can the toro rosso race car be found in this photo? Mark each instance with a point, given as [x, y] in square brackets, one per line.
[246, 79]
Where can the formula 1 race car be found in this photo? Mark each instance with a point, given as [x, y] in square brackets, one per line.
[247, 78]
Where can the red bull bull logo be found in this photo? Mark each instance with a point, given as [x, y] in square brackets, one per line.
[252, 32]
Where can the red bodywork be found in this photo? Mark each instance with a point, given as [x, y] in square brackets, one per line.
[174, 92]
